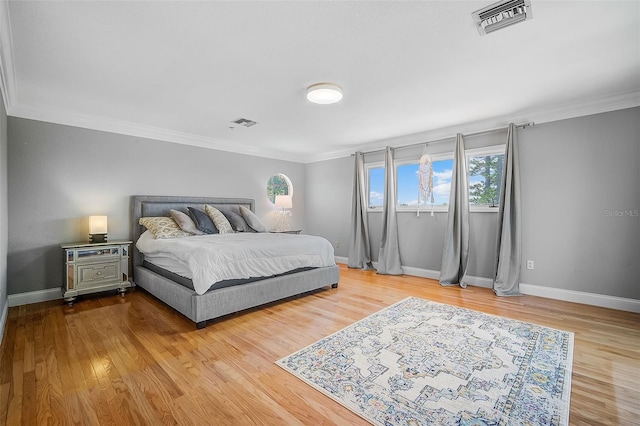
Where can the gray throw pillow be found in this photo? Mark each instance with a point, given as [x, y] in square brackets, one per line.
[252, 220]
[202, 221]
[237, 222]
[185, 222]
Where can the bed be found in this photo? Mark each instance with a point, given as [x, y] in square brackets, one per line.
[224, 300]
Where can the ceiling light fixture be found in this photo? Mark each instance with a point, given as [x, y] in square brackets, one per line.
[324, 93]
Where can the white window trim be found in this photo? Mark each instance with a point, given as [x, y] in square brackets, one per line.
[427, 208]
[367, 168]
[485, 150]
[476, 152]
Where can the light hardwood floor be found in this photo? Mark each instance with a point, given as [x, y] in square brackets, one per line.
[132, 360]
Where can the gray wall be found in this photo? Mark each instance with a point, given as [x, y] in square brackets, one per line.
[576, 174]
[59, 175]
[328, 200]
[4, 221]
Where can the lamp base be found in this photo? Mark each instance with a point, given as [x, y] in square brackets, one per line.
[283, 224]
[97, 238]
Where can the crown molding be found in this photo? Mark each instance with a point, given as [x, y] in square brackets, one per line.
[105, 124]
[539, 116]
[7, 69]
[554, 113]
[588, 107]
[8, 86]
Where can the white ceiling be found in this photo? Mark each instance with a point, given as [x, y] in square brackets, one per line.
[182, 71]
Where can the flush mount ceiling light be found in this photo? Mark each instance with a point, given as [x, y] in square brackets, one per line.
[502, 14]
[324, 93]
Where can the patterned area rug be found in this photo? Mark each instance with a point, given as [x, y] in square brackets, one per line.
[424, 363]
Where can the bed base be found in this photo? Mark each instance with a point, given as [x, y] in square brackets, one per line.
[224, 301]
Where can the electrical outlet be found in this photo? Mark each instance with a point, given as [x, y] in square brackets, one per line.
[337, 244]
[530, 264]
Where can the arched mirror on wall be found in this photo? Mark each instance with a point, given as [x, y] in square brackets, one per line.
[279, 184]
[280, 193]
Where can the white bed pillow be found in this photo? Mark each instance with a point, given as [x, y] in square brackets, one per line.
[252, 220]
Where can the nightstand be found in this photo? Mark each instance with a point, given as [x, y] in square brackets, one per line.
[294, 231]
[95, 267]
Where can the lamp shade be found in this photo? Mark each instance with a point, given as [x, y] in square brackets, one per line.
[97, 224]
[324, 93]
[284, 201]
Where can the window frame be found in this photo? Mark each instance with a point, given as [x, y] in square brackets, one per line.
[478, 152]
[498, 149]
[287, 180]
[367, 170]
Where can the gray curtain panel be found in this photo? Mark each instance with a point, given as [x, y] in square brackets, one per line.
[389, 256]
[455, 255]
[509, 242]
[359, 245]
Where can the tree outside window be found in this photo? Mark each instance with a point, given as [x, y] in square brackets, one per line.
[485, 179]
[278, 184]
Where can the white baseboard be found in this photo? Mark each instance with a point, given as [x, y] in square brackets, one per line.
[478, 281]
[34, 297]
[407, 270]
[3, 320]
[613, 302]
[420, 272]
[604, 301]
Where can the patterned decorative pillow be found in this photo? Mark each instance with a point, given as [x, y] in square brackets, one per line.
[163, 227]
[203, 221]
[252, 220]
[221, 222]
[185, 222]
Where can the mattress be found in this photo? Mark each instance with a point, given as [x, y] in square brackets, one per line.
[188, 283]
[211, 259]
[168, 263]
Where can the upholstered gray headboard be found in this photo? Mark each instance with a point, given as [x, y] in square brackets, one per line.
[158, 205]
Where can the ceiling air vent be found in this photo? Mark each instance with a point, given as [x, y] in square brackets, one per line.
[502, 14]
[244, 122]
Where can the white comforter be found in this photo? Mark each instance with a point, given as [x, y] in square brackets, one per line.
[213, 258]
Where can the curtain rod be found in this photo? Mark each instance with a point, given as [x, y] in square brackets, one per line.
[494, 129]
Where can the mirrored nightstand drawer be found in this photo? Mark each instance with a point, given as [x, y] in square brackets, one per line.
[90, 275]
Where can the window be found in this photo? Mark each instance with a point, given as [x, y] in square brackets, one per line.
[408, 183]
[375, 185]
[278, 184]
[485, 176]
